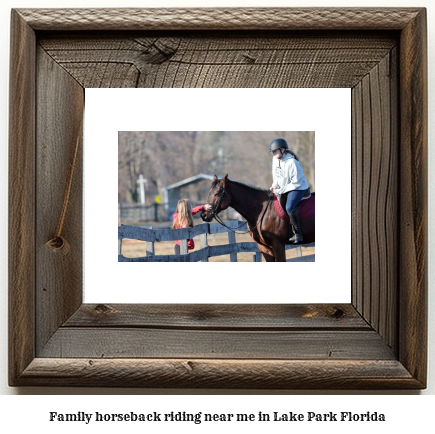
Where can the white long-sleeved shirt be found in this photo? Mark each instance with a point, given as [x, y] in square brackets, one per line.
[288, 175]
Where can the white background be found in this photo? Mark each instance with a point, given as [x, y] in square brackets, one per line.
[408, 412]
[325, 111]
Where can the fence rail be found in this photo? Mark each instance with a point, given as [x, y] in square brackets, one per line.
[139, 213]
[151, 236]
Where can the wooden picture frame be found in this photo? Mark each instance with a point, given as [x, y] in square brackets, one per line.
[377, 341]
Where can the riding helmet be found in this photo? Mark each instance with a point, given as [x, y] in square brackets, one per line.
[276, 144]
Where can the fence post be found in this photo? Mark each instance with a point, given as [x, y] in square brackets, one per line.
[149, 246]
[232, 240]
[298, 252]
[156, 212]
[204, 243]
[183, 247]
[257, 257]
[120, 246]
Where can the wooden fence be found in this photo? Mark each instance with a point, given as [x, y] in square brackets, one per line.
[141, 213]
[156, 212]
[151, 236]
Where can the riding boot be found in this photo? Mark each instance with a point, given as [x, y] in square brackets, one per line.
[294, 220]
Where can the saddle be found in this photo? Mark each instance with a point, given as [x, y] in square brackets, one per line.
[307, 205]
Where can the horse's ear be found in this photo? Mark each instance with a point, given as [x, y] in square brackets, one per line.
[224, 180]
[215, 180]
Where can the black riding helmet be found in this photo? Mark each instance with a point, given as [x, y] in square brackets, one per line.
[276, 144]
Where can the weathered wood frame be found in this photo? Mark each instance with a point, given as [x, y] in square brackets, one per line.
[377, 341]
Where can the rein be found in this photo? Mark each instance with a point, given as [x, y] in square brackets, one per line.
[219, 220]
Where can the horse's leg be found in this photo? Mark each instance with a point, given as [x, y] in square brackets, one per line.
[278, 251]
[268, 258]
[267, 253]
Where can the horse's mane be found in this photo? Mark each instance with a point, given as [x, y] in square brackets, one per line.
[253, 187]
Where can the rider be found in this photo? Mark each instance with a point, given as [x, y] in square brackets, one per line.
[288, 179]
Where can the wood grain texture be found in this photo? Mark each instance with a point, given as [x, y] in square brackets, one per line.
[21, 197]
[252, 317]
[59, 279]
[375, 198]
[220, 18]
[413, 197]
[234, 60]
[229, 374]
[393, 298]
[95, 342]
[379, 342]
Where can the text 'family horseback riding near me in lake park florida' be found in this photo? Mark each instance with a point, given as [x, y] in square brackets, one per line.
[200, 417]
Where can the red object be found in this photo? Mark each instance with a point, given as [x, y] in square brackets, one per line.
[190, 243]
[279, 210]
[308, 208]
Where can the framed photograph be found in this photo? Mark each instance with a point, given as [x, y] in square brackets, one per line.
[377, 341]
[218, 138]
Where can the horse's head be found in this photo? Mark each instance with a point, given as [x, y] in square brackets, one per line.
[218, 197]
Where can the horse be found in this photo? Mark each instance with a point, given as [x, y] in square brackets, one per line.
[266, 227]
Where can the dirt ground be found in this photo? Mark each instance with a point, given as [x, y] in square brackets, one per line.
[136, 249]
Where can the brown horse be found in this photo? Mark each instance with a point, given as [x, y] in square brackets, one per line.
[265, 226]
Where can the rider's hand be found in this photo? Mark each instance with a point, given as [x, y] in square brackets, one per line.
[207, 207]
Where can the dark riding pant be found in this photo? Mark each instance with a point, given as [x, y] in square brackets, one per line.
[293, 199]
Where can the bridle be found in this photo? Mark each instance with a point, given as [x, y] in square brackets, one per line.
[215, 207]
[218, 203]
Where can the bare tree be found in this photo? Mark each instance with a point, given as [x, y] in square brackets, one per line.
[166, 157]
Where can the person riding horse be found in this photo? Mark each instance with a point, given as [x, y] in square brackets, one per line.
[266, 221]
[289, 180]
